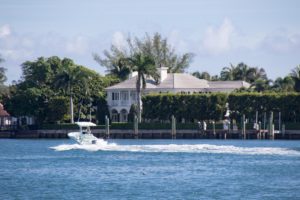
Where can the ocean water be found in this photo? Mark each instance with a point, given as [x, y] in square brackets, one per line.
[150, 169]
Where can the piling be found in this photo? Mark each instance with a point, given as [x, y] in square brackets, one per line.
[265, 119]
[214, 129]
[283, 131]
[136, 127]
[106, 127]
[271, 128]
[259, 131]
[173, 131]
[243, 127]
[273, 132]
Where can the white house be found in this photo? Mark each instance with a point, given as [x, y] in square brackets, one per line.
[121, 96]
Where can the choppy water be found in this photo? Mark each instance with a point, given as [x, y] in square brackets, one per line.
[150, 169]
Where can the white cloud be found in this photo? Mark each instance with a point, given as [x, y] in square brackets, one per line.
[177, 42]
[281, 42]
[5, 31]
[119, 40]
[218, 40]
[78, 45]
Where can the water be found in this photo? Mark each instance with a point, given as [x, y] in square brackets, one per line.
[150, 169]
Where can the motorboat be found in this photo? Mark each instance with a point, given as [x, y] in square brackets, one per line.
[84, 136]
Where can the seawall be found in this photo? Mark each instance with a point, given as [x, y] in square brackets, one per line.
[153, 134]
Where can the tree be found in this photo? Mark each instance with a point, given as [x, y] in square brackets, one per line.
[228, 73]
[44, 83]
[243, 72]
[132, 112]
[285, 84]
[295, 74]
[260, 85]
[255, 73]
[202, 75]
[144, 66]
[68, 77]
[57, 109]
[3, 78]
[154, 47]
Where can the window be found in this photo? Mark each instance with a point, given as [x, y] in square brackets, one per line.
[115, 96]
[133, 96]
[114, 116]
[123, 115]
[124, 96]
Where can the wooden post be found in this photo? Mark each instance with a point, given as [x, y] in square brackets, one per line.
[271, 125]
[259, 129]
[136, 127]
[173, 131]
[273, 132]
[106, 127]
[256, 117]
[265, 119]
[243, 127]
[279, 122]
[283, 131]
[214, 129]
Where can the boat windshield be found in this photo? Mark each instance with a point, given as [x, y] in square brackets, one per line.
[87, 130]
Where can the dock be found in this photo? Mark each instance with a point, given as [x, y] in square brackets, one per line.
[156, 134]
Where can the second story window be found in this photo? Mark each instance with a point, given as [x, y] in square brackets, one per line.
[133, 96]
[115, 96]
[124, 96]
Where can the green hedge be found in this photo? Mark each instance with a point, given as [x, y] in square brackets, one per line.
[63, 127]
[249, 103]
[190, 107]
[213, 106]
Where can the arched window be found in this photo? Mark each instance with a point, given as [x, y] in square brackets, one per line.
[114, 116]
[123, 115]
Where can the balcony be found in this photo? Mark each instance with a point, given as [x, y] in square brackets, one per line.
[124, 102]
[115, 103]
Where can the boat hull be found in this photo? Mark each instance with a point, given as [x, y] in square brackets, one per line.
[81, 138]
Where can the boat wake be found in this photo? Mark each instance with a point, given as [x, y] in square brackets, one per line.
[102, 145]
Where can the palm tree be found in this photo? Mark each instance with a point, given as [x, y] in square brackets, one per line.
[144, 66]
[202, 75]
[255, 73]
[295, 74]
[228, 73]
[285, 84]
[260, 85]
[114, 64]
[241, 72]
[66, 79]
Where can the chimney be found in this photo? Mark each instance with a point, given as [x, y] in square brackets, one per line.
[133, 74]
[163, 73]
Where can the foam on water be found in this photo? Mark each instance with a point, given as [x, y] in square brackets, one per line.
[184, 148]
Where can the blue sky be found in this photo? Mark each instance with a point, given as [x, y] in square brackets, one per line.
[262, 33]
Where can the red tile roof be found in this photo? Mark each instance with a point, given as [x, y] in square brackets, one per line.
[3, 113]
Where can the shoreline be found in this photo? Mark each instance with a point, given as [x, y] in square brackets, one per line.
[153, 134]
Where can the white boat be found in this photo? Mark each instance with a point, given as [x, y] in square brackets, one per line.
[84, 136]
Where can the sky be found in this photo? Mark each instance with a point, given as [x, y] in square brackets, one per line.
[260, 33]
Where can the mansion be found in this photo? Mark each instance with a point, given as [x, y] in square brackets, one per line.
[121, 96]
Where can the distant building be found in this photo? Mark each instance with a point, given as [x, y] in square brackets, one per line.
[121, 96]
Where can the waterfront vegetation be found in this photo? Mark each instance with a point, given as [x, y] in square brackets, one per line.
[49, 87]
[212, 106]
